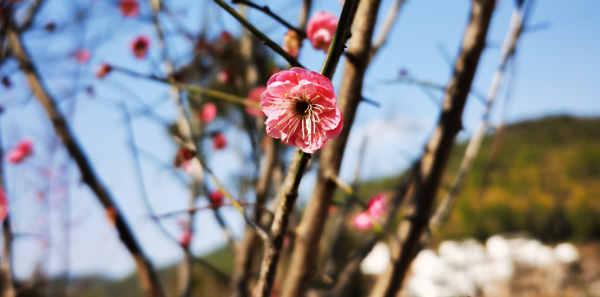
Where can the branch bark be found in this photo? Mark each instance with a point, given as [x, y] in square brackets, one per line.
[147, 276]
[508, 48]
[310, 229]
[432, 165]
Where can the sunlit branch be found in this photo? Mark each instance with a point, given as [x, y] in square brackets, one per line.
[386, 27]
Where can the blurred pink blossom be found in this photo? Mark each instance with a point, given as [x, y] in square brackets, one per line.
[320, 29]
[186, 238]
[375, 209]
[216, 198]
[22, 150]
[82, 55]
[3, 205]
[254, 96]
[301, 109]
[139, 46]
[129, 8]
[219, 141]
[208, 112]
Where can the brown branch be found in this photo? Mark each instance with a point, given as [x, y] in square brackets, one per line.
[244, 260]
[430, 169]
[386, 27]
[304, 13]
[273, 247]
[147, 276]
[7, 288]
[508, 48]
[311, 226]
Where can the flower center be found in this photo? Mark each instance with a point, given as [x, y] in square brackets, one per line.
[301, 107]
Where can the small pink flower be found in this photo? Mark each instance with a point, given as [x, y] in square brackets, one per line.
[292, 43]
[301, 109]
[216, 198]
[103, 70]
[254, 96]
[320, 29]
[208, 112]
[3, 205]
[140, 46]
[219, 141]
[375, 210]
[186, 238]
[129, 8]
[22, 150]
[82, 55]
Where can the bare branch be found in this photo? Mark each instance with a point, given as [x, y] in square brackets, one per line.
[431, 167]
[386, 27]
[148, 278]
[508, 48]
[266, 10]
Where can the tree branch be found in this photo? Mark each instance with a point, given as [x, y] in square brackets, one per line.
[148, 278]
[508, 48]
[432, 165]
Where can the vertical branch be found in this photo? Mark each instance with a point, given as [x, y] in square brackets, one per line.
[273, 247]
[311, 226]
[431, 167]
[508, 48]
[244, 258]
[147, 276]
[304, 13]
[386, 27]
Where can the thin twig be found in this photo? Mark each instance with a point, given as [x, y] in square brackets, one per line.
[148, 278]
[431, 167]
[386, 27]
[266, 10]
[266, 40]
[273, 247]
[30, 15]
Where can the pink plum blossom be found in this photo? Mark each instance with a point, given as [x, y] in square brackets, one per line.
[320, 29]
[216, 198]
[254, 96]
[219, 141]
[3, 205]
[82, 55]
[186, 238]
[139, 46]
[129, 8]
[375, 209]
[208, 112]
[22, 150]
[301, 109]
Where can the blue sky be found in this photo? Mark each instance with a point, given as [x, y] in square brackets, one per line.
[557, 70]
